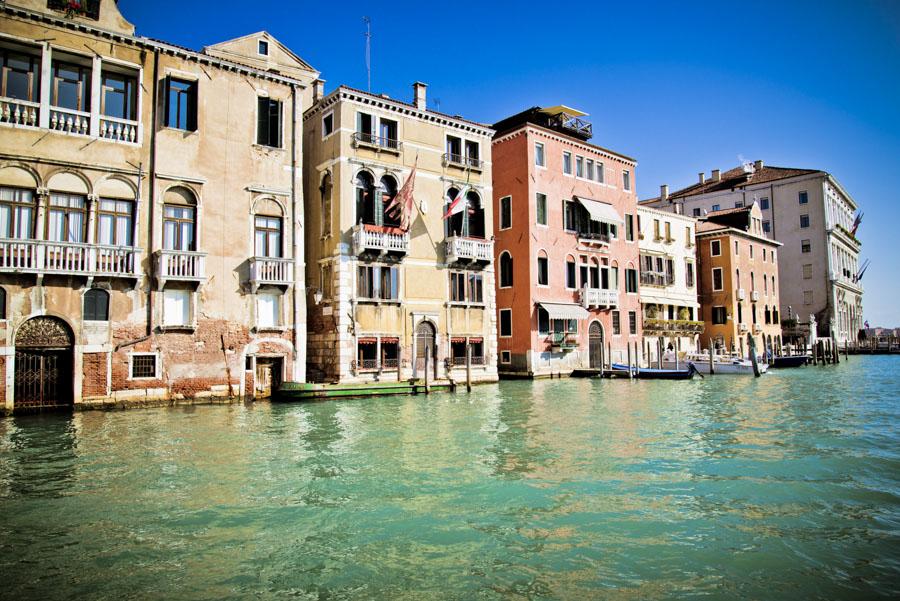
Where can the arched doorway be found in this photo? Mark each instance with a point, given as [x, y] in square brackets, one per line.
[425, 337]
[43, 378]
[595, 345]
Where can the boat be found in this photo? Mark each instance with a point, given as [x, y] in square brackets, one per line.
[643, 373]
[789, 361]
[723, 364]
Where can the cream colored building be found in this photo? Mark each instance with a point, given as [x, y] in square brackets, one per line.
[386, 297]
[151, 212]
[671, 313]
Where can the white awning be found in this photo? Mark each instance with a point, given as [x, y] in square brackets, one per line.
[565, 310]
[600, 211]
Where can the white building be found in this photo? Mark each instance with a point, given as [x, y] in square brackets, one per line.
[809, 212]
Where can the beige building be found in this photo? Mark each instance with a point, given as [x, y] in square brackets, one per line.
[387, 295]
[812, 215]
[151, 209]
[668, 279]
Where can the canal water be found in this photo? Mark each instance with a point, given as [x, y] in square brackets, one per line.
[785, 487]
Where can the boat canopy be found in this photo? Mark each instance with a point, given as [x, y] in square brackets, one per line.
[601, 211]
[565, 310]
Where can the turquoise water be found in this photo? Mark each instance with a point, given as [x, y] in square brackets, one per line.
[785, 487]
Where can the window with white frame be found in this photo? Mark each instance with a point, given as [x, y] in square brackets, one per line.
[579, 166]
[505, 357]
[327, 125]
[268, 309]
[541, 206]
[143, 366]
[177, 307]
[539, 154]
[717, 279]
[505, 323]
[268, 130]
[378, 282]
[506, 212]
[567, 163]
[600, 174]
[626, 180]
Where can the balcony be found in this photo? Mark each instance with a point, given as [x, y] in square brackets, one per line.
[463, 162]
[70, 121]
[593, 238]
[597, 297]
[572, 124]
[741, 294]
[180, 265]
[461, 249]
[270, 271]
[118, 130]
[367, 238]
[653, 278]
[674, 326]
[68, 258]
[562, 341]
[19, 112]
[378, 143]
[24, 113]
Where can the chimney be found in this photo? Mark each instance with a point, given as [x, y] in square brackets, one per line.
[702, 180]
[716, 175]
[757, 165]
[318, 89]
[664, 192]
[419, 95]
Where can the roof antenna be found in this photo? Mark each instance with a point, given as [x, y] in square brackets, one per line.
[368, 23]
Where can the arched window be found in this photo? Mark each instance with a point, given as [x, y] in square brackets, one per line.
[474, 215]
[389, 217]
[570, 272]
[594, 269]
[752, 281]
[468, 220]
[543, 268]
[365, 194]
[96, 305]
[268, 238]
[180, 220]
[506, 270]
[325, 193]
[768, 315]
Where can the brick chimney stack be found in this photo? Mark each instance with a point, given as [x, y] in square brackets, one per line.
[419, 95]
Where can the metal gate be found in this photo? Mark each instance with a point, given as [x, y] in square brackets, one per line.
[595, 345]
[425, 336]
[43, 373]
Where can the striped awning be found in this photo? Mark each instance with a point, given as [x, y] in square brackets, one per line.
[600, 211]
[565, 310]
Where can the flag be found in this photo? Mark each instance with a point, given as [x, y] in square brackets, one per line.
[457, 204]
[867, 324]
[402, 204]
[856, 223]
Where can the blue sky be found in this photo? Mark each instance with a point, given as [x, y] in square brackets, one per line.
[681, 86]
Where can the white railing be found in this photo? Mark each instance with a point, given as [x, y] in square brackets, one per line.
[469, 249]
[271, 270]
[597, 297]
[19, 112]
[181, 265]
[119, 130]
[70, 121]
[364, 240]
[45, 256]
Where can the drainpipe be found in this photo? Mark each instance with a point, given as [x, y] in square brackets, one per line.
[152, 196]
[299, 296]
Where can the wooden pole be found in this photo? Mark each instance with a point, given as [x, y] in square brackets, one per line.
[630, 375]
[427, 362]
[751, 345]
[399, 361]
[741, 346]
[609, 354]
[712, 369]
[468, 368]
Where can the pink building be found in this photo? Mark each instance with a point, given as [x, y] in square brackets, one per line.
[566, 245]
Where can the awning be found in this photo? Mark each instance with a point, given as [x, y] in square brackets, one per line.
[457, 340]
[565, 310]
[367, 341]
[600, 211]
[561, 108]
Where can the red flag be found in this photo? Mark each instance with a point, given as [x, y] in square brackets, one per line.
[402, 203]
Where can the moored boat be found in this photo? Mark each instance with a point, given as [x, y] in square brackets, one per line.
[723, 364]
[789, 361]
[684, 373]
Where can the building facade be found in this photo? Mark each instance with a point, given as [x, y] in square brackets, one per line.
[150, 212]
[668, 266]
[390, 296]
[566, 246]
[738, 279]
[812, 215]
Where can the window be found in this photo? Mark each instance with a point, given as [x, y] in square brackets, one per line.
[736, 248]
[263, 48]
[600, 174]
[589, 169]
[143, 365]
[805, 247]
[506, 212]
[807, 271]
[763, 204]
[476, 288]
[594, 276]
[378, 282]
[2, 303]
[631, 280]
[626, 180]
[268, 131]
[473, 151]
[178, 227]
[71, 86]
[543, 271]
[688, 236]
[764, 255]
[543, 321]
[767, 226]
[115, 222]
[715, 248]
[387, 130]
[804, 220]
[365, 128]
[541, 202]
[365, 198]
[66, 221]
[717, 279]
[505, 323]
[739, 204]
[751, 251]
[669, 237]
[383, 214]
[118, 96]
[656, 232]
[325, 191]
[807, 297]
[454, 149]
[21, 76]
[267, 232]
[616, 324]
[17, 213]
[629, 227]
[181, 104]
[715, 207]
[719, 317]
[804, 198]
[539, 154]
[505, 357]
[567, 163]
[579, 166]
[697, 212]
[327, 125]
[689, 274]
[268, 310]
[570, 216]
[457, 287]
[506, 270]
[613, 283]
[96, 305]
[176, 307]
[570, 273]
[632, 322]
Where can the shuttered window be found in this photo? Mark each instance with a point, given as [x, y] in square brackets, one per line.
[96, 305]
[268, 130]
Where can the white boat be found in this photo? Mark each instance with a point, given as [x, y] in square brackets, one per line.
[723, 364]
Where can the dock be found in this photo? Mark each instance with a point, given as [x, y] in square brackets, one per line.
[299, 391]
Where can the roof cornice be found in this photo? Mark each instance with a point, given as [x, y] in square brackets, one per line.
[558, 137]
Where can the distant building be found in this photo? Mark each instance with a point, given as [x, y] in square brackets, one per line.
[668, 289]
[384, 295]
[566, 245]
[738, 276]
[811, 214]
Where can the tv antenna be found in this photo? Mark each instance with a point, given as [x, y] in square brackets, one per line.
[368, 23]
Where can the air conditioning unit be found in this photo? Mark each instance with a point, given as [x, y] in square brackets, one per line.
[754, 296]
[743, 328]
[757, 329]
[741, 294]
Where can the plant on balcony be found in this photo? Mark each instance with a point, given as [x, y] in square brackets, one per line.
[652, 311]
[683, 314]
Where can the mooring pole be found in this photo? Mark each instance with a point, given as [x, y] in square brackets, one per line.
[630, 375]
[427, 362]
[468, 368]
[712, 369]
[751, 345]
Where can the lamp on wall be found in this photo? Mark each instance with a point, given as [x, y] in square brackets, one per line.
[316, 293]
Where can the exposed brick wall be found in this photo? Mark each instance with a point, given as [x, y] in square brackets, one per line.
[3, 387]
[94, 381]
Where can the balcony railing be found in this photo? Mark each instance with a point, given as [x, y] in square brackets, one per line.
[185, 265]
[119, 130]
[70, 121]
[458, 160]
[678, 326]
[461, 361]
[653, 278]
[377, 142]
[573, 124]
[563, 341]
[593, 238]
[469, 249]
[597, 297]
[365, 240]
[273, 271]
[74, 258]
[19, 112]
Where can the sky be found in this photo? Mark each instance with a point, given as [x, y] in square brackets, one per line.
[683, 87]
